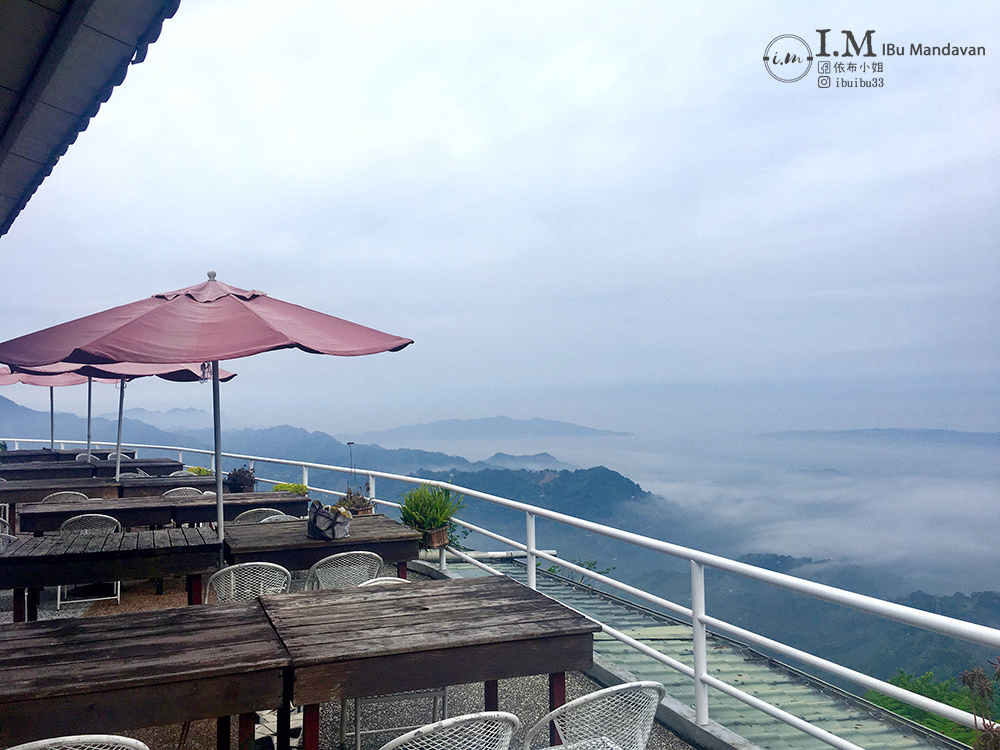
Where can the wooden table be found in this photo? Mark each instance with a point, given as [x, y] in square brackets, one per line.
[286, 543]
[45, 470]
[151, 486]
[362, 642]
[155, 511]
[120, 672]
[157, 467]
[203, 509]
[60, 454]
[31, 563]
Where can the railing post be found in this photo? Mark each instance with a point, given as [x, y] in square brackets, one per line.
[529, 539]
[442, 560]
[305, 476]
[212, 464]
[699, 643]
[180, 457]
[371, 488]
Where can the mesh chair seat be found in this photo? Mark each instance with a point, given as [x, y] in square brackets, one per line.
[183, 492]
[256, 515]
[89, 523]
[489, 730]
[248, 581]
[58, 497]
[616, 718]
[343, 570]
[84, 742]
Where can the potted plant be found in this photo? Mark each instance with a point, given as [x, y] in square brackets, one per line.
[429, 510]
[297, 487]
[241, 480]
[356, 503]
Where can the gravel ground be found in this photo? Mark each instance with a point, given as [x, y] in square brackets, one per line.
[525, 697]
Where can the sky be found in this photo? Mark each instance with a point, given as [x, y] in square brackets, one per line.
[603, 213]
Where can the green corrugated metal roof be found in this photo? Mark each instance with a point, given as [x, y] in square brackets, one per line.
[733, 663]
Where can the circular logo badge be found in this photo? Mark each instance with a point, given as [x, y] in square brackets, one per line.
[788, 58]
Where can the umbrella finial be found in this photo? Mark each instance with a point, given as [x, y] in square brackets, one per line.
[211, 275]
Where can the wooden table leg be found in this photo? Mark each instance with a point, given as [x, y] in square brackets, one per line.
[401, 569]
[33, 604]
[194, 589]
[491, 699]
[284, 727]
[222, 729]
[19, 610]
[557, 697]
[310, 727]
[247, 727]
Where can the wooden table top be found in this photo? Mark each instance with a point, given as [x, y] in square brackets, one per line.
[46, 470]
[35, 490]
[286, 543]
[59, 454]
[61, 559]
[154, 510]
[157, 467]
[118, 672]
[372, 641]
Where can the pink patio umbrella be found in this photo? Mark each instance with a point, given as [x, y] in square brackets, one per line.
[208, 322]
[67, 373]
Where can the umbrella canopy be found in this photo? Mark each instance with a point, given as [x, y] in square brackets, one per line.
[207, 322]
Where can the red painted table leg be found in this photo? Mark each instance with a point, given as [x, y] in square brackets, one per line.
[19, 610]
[401, 569]
[491, 699]
[194, 589]
[310, 727]
[247, 727]
[557, 697]
[222, 733]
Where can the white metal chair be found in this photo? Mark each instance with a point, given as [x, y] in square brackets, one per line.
[85, 457]
[616, 718]
[183, 492]
[112, 456]
[56, 497]
[6, 540]
[135, 474]
[4, 525]
[255, 515]
[89, 523]
[384, 581]
[282, 517]
[84, 742]
[489, 730]
[181, 473]
[248, 581]
[343, 570]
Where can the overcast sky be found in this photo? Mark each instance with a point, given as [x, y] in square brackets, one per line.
[606, 213]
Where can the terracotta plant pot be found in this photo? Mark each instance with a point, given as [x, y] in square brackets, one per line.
[436, 538]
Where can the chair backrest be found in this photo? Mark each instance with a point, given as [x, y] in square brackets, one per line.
[84, 742]
[248, 581]
[85, 457]
[488, 730]
[182, 473]
[282, 517]
[133, 474]
[90, 523]
[112, 456]
[6, 540]
[256, 515]
[56, 497]
[183, 492]
[343, 570]
[4, 525]
[622, 714]
[384, 581]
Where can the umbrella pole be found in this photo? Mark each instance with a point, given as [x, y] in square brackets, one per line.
[121, 412]
[52, 418]
[90, 394]
[218, 461]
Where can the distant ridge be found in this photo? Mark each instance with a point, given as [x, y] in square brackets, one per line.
[486, 428]
[893, 434]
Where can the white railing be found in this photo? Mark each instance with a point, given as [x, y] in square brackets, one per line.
[696, 614]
